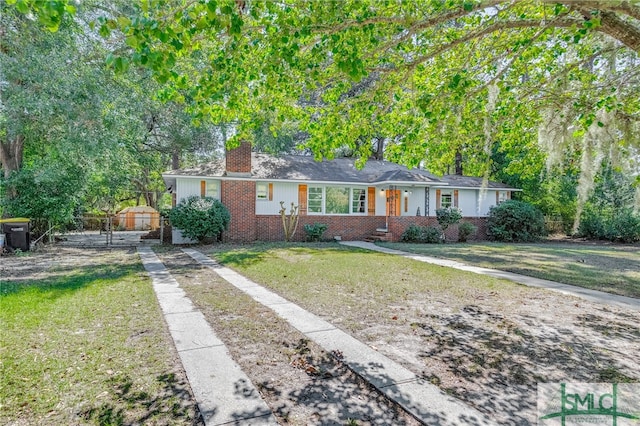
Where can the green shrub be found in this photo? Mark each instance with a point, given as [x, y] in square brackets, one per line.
[421, 234]
[314, 232]
[431, 235]
[448, 216]
[411, 234]
[592, 225]
[465, 229]
[200, 218]
[626, 225]
[515, 221]
[623, 225]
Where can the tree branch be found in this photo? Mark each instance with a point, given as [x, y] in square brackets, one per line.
[498, 26]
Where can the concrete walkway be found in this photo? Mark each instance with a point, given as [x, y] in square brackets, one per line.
[587, 294]
[224, 393]
[422, 399]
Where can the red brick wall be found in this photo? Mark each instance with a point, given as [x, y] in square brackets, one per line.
[240, 198]
[397, 226]
[349, 228]
[238, 160]
[246, 227]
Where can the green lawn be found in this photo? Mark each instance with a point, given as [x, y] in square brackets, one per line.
[86, 344]
[330, 277]
[614, 269]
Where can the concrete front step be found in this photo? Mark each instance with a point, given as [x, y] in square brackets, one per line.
[380, 235]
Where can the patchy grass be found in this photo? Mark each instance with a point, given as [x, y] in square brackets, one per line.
[484, 340]
[337, 277]
[84, 342]
[300, 382]
[614, 269]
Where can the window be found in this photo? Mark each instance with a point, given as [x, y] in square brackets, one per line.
[315, 200]
[337, 200]
[501, 197]
[446, 200]
[262, 190]
[209, 189]
[358, 198]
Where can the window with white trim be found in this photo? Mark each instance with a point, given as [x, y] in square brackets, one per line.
[502, 196]
[336, 200]
[358, 200]
[212, 189]
[446, 199]
[262, 191]
[315, 195]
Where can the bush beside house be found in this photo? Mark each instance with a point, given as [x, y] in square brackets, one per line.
[515, 221]
[200, 218]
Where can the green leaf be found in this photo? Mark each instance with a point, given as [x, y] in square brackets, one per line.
[123, 22]
[132, 41]
[104, 31]
[120, 65]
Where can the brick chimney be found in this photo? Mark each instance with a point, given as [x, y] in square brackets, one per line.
[238, 160]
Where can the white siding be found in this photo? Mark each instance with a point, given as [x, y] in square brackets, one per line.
[467, 202]
[282, 191]
[381, 202]
[416, 200]
[486, 200]
[185, 188]
[472, 202]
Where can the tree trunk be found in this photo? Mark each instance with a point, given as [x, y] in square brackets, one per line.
[458, 162]
[11, 155]
[175, 159]
[379, 155]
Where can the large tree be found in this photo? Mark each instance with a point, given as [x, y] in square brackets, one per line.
[433, 79]
[74, 136]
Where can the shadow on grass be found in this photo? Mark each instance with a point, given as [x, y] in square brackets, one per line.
[505, 363]
[240, 258]
[129, 406]
[579, 266]
[334, 400]
[69, 279]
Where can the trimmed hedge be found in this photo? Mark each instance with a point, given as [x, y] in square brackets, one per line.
[422, 234]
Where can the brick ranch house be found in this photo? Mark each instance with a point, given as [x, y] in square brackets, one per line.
[381, 199]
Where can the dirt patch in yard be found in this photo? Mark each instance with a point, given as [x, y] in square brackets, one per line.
[492, 354]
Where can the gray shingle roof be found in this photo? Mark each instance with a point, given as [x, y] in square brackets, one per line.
[472, 182]
[305, 168]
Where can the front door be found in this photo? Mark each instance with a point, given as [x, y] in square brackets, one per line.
[393, 202]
